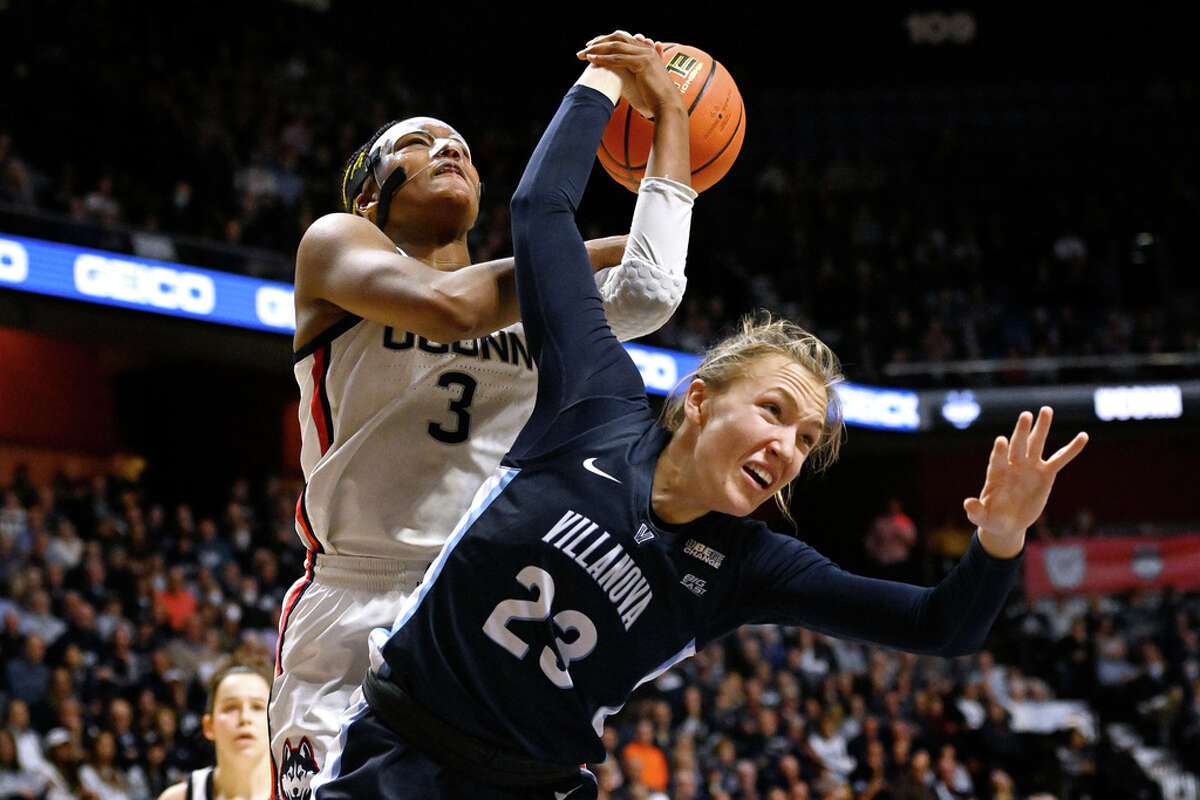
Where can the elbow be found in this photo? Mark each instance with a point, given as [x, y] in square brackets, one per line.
[639, 298]
[955, 649]
[531, 203]
[953, 645]
[462, 322]
[453, 316]
[638, 317]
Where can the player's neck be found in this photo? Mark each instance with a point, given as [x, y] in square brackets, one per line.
[239, 783]
[670, 494]
[444, 256]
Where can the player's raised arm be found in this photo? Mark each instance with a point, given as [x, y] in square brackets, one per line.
[641, 294]
[344, 261]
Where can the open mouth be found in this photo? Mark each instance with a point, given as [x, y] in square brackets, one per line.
[759, 476]
[448, 168]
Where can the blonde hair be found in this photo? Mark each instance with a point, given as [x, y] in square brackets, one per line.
[760, 335]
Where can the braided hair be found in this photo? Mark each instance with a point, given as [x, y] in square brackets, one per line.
[358, 168]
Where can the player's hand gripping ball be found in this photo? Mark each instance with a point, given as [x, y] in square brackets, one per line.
[716, 119]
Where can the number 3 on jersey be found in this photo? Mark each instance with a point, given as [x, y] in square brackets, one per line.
[462, 429]
[496, 627]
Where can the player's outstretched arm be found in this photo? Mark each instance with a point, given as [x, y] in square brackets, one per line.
[641, 294]
[789, 582]
[347, 262]
[1017, 484]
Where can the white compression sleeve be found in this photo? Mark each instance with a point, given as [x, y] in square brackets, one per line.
[645, 289]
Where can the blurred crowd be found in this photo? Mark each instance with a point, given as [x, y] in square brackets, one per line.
[116, 608]
[114, 613]
[949, 223]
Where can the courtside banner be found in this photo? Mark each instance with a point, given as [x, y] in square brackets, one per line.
[1103, 565]
[98, 276]
[178, 290]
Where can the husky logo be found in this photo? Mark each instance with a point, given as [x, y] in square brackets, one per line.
[296, 769]
[1065, 566]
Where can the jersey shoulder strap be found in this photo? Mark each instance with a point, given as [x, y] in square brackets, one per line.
[200, 785]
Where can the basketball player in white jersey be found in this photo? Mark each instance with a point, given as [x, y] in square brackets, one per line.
[415, 379]
[236, 723]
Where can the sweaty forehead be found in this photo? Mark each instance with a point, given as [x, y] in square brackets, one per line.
[430, 125]
[782, 373]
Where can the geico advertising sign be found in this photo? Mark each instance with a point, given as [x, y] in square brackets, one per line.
[96, 276]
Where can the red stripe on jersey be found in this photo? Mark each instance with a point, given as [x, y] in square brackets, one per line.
[289, 603]
[319, 405]
[305, 526]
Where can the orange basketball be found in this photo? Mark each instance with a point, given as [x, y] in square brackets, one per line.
[717, 119]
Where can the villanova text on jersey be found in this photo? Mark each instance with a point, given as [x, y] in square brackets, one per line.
[614, 571]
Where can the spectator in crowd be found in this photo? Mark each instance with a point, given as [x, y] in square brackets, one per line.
[651, 761]
[915, 782]
[102, 777]
[953, 781]
[27, 741]
[890, 541]
[828, 748]
[101, 205]
[62, 772]
[28, 676]
[16, 181]
[176, 600]
[17, 780]
[39, 620]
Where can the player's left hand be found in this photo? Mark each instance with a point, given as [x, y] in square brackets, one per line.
[1018, 484]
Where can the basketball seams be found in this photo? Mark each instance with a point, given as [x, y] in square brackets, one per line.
[712, 70]
[628, 167]
[732, 136]
[623, 134]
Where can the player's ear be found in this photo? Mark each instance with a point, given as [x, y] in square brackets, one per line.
[206, 726]
[695, 400]
[367, 203]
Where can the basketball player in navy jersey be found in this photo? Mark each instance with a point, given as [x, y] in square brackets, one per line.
[236, 723]
[609, 546]
[415, 378]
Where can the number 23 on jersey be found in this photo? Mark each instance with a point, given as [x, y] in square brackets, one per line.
[554, 663]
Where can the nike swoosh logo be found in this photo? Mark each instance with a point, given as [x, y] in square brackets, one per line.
[564, 795]
[590, 465]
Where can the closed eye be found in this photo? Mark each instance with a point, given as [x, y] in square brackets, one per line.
[412, 139]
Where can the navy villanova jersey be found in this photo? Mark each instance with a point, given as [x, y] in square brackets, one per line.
[560, 591]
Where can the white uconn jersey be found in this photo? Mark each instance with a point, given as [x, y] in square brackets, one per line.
[398, 432]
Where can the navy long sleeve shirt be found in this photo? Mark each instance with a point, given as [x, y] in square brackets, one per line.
[560, 592]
